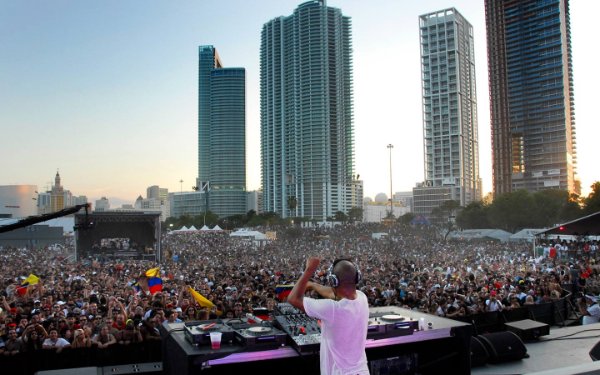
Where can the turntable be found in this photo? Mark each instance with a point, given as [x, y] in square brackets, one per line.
[387, 324]
[261, 336]
[198, 333]
[258, 335]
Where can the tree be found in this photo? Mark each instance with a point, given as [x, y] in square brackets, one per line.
[340, 216]
[406, 219]
[292, 203]
[474, 216]
[591, 203]
[512, 211]
[445, 215]
[355, 214]
[207, 218]
[265, 219]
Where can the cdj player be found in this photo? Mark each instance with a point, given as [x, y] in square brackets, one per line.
[389, 324]
[256, 334]
[198, 332]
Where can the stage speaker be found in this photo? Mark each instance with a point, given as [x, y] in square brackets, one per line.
[503, 346]
[595, 352]
[479, 353]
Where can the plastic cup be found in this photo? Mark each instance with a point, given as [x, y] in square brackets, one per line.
[215, 340]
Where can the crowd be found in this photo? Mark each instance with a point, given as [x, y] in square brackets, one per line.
[94, 303]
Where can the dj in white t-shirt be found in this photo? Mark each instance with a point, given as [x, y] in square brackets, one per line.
[344, 316]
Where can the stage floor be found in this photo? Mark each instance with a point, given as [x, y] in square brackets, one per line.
[562, 349]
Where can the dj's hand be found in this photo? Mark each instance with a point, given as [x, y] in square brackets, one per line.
[312, 263]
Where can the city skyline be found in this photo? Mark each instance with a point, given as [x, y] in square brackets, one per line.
[107, 93]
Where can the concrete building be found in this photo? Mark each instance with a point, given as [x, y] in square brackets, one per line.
[189, 203]
[307, 130]
[162, 195]
[405, 199]
[255, 201]
[102, 205]
[450, 133]
[18, 201]
[375, 212]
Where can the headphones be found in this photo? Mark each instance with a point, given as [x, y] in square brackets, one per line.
[332, 278]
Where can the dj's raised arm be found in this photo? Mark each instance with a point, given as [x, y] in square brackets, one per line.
[296, 296]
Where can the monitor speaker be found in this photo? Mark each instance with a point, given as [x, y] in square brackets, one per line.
[479, 353]
[503, 346]
[595, 352]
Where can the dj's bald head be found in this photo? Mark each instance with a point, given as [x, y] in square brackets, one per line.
[345, 272]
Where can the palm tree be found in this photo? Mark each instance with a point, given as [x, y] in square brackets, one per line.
[292, 203]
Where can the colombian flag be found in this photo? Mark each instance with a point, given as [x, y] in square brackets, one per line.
[154, 285]
[153, 272]
[283, 291]
[202, 301]
[31, 280]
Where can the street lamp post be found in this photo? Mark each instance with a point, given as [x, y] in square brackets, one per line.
[390, 147]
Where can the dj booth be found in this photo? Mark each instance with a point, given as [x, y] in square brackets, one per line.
[399, 341]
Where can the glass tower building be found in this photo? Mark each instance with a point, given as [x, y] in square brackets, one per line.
[307, 139]
[451, 147]
[531, 95]
[221, 135]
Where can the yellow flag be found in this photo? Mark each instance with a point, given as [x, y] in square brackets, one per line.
[31, 280]
[202, 301]
[153, 272]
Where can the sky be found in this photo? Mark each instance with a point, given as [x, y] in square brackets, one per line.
[106, 91]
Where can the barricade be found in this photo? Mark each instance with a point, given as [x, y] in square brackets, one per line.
[542, 312]
[551, 313]
[488, 322]
[514, 315]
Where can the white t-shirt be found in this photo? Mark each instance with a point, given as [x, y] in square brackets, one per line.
[494, 305]
[344, 327]
[59, 343]
[594, 317]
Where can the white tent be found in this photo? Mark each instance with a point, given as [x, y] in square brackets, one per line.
[217, 227]
[204, 228]
[478, 234]
[525, 235]
[183, 229]
[192, 228]
[249, 234]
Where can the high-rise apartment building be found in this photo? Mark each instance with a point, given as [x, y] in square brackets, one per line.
[221, 134]
[18, 201]
[531, 95]
[307, 136]
[451, 147]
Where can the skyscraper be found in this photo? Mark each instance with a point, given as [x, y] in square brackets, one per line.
[221, 134]
[451, 146]
[531, 93]
[307, 135]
